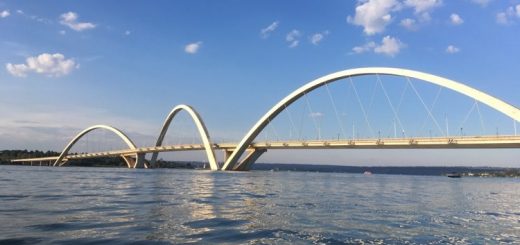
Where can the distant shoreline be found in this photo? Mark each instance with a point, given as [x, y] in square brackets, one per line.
[396, 170]
[7, 155]
[391, 170]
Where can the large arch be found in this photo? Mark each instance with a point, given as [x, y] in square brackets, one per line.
[201, 127]
[131, 145]
[499, 105]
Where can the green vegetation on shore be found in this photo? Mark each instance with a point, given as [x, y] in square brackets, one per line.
[7, 155]
[510, 172]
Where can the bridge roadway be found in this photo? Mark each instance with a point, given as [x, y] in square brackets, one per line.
[466, 142]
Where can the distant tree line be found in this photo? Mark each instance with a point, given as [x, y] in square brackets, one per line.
[98, 162]
[7, 155]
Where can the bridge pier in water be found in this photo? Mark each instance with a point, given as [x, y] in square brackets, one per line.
[245, 165]
[136, 161]
[251, 157]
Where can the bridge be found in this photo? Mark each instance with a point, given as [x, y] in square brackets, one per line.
[242, 155]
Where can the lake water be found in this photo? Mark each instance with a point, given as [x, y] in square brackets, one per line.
[118, 206]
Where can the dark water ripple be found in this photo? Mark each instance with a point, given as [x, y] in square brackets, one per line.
[123, 206]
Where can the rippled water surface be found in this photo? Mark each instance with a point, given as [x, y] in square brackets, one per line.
[102, 205]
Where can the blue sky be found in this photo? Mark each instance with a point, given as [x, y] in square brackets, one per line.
[66, 65]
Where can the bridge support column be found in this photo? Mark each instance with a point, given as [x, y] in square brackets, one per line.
[252, 156]
[140, 161]
[58, 163]
[136, 161]
[227, 154]
[153, 161]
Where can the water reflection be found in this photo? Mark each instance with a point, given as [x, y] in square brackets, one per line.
[90, 205]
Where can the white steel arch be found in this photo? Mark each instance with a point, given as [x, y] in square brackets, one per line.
[201, 127]
[118, 132]
[497, 104]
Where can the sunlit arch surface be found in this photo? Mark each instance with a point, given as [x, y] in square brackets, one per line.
[201, 127]
[499, 105]
[65, 152]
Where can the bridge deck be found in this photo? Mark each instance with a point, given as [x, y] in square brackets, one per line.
[38, 159]
[473, 142]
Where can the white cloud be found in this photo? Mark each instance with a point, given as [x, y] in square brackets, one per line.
[364, 48]
[265, 32]
[34, 17]
[52, 65]
[389, 46]
[294, 44]
[70, 19]
[318, 37]
[508, 16]
[482, 3]
[456, 19]
[193, 48]
[409, 24]
[292, 38]
[374, 15]
[5, 14]
[423, 6]
[502, 18]
[18, 70]
[127, 33]
[452, 49]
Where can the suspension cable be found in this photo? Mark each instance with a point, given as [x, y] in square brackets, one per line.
[301, 122]
[425, 107]
[266, 138]
[181, 126]
[396, 116]
[468, 114]
[273, 129]
[293, 127]
[336, 111]
[482, 125]
[402, 97]
[313, 116]
[372, 97]
[434, 103]
[361, 105]
[398, 109]
[172, 127]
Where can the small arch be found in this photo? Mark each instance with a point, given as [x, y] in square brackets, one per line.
[201, 127]
[497, 104]
[118, 132]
